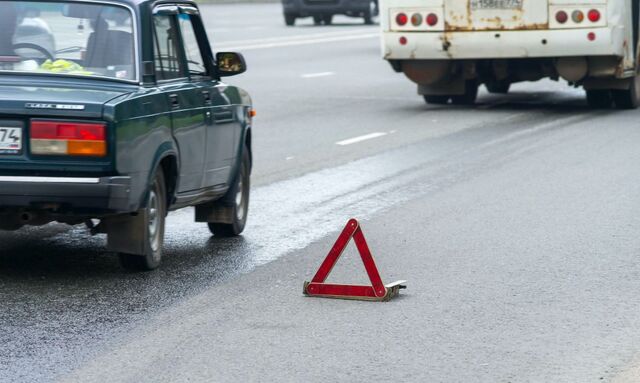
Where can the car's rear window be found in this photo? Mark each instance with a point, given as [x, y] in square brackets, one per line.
[63, 38]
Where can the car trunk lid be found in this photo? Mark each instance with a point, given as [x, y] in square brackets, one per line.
[55, 99]
[71, 100]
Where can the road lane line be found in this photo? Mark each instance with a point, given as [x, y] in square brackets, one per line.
[314, 75]
[290, 43]
[365, 137]
[308, 36]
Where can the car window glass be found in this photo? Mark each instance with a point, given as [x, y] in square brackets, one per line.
[67, 39]
[167, 62]
[195, 61]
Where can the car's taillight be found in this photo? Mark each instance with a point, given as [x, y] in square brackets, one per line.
[416, 19]
[562, 17]
[68, 138]
[594, 15]
[577, 16]
[402, 19]
[432, 19]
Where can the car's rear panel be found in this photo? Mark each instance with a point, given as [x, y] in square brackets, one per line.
[21, 106]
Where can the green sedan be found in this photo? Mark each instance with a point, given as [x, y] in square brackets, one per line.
[114, 113]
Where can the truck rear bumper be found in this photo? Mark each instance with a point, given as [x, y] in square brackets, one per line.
[503, 44]
[72, 195]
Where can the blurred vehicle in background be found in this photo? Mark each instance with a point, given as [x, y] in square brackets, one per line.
[450, 47]
[323, 11]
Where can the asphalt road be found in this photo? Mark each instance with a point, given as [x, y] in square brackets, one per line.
[515, 223]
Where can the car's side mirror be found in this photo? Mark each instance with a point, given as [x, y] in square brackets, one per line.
[230, 63]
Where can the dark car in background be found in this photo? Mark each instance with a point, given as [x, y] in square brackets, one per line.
[323, 11]
[114, 113]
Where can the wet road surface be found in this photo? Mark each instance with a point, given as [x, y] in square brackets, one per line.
[514, 221]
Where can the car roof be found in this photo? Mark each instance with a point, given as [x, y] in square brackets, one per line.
[136, 3]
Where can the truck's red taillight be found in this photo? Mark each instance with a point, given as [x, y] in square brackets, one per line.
[562, 17]
[402, 19]
[594, 15]
[68, 138]
[432, 19]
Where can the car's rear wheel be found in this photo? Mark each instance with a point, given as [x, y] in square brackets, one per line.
[327, 19]
[317, 20]
[599, 98]
[237, 198]
[470, 94]
[436, 100]
[499, 87]
[628, 98]
[370, 13]
[289, 19]
[154, 215]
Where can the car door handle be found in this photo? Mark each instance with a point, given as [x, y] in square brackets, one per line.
[173, 99]
[223, 116]
[207, 96]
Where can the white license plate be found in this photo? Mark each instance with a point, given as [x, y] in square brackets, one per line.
[10, 140]
[496, 4]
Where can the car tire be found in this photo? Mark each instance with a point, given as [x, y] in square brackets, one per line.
[155, 213]
[317, 20]
[370, 13]
[599, 98]
[436, 99]
[289, 19]
[237, 197]
[470, 94]
[327, 19]
[498, 87]
[627, 98]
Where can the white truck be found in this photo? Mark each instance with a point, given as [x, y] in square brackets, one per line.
[451, 47]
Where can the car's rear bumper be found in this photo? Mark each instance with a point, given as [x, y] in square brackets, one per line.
[503, 44]
[319, 7]
[79, 195]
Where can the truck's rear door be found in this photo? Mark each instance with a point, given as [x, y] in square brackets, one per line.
[488, 15]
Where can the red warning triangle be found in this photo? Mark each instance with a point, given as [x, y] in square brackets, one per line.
[378, 291]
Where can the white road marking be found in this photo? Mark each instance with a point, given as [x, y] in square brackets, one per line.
[366, 137]
[321, 74]
[289, 158]
[272, 43]
[295, 37]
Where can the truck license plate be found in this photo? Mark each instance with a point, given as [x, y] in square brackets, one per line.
[496, 4]
[10, 140]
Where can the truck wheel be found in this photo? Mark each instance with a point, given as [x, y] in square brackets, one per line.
[599, 98]
[470, 94]
[498, 87]
[154, 215]
[237, 197]
[627, 98]
[436, 100]
[327, 19]
[289, 19]
[317, 20]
